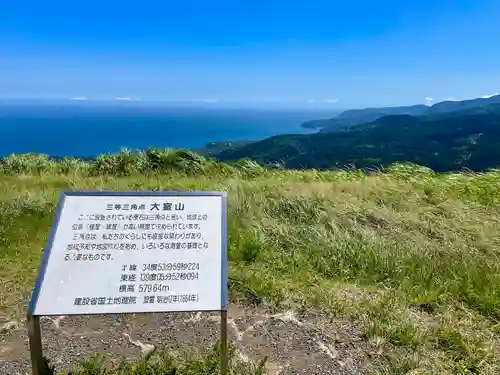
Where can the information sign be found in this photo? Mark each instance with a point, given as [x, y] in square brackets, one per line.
[134, 252]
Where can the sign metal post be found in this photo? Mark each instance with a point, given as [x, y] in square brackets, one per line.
[35, 341]
[224, 360]
[148, 252]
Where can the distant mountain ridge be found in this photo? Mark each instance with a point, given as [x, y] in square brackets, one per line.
[353, 117]
[450, 136]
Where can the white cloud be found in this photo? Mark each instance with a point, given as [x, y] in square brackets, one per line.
[429, 100]
[78, 98]
[489, 96]
[332, 100]
[123, 98]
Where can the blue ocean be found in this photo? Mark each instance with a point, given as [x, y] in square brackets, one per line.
[87, 130]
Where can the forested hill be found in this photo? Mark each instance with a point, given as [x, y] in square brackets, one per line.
[469, 138]
[355, 117]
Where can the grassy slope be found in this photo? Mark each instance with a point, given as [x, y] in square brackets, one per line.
[411, 256]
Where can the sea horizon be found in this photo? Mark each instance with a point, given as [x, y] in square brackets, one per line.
[85, 130]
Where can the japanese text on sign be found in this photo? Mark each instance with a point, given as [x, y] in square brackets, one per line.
[118, 253]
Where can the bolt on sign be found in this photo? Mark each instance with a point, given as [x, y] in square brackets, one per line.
[133, 252]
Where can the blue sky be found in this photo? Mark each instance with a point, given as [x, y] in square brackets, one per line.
[316, 53]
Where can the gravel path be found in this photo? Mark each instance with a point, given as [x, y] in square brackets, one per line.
[306, 344]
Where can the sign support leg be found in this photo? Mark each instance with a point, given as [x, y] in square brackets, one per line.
[35, 339]
[224, 360]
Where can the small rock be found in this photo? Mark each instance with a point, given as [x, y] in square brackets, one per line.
[57, 321]
[9, 326]
[146, 349]
[213, 318]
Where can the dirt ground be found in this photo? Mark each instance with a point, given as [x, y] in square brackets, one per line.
[305, 343]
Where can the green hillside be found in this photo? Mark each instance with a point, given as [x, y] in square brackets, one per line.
[353, 117]
[408, 257]
[468, 138]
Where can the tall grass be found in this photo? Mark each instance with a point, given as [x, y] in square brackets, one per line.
[127, 163]
[165, 363]
[409, 255]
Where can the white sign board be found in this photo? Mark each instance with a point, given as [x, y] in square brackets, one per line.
[134, 252]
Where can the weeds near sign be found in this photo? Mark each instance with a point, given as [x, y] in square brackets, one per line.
[169, 364]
